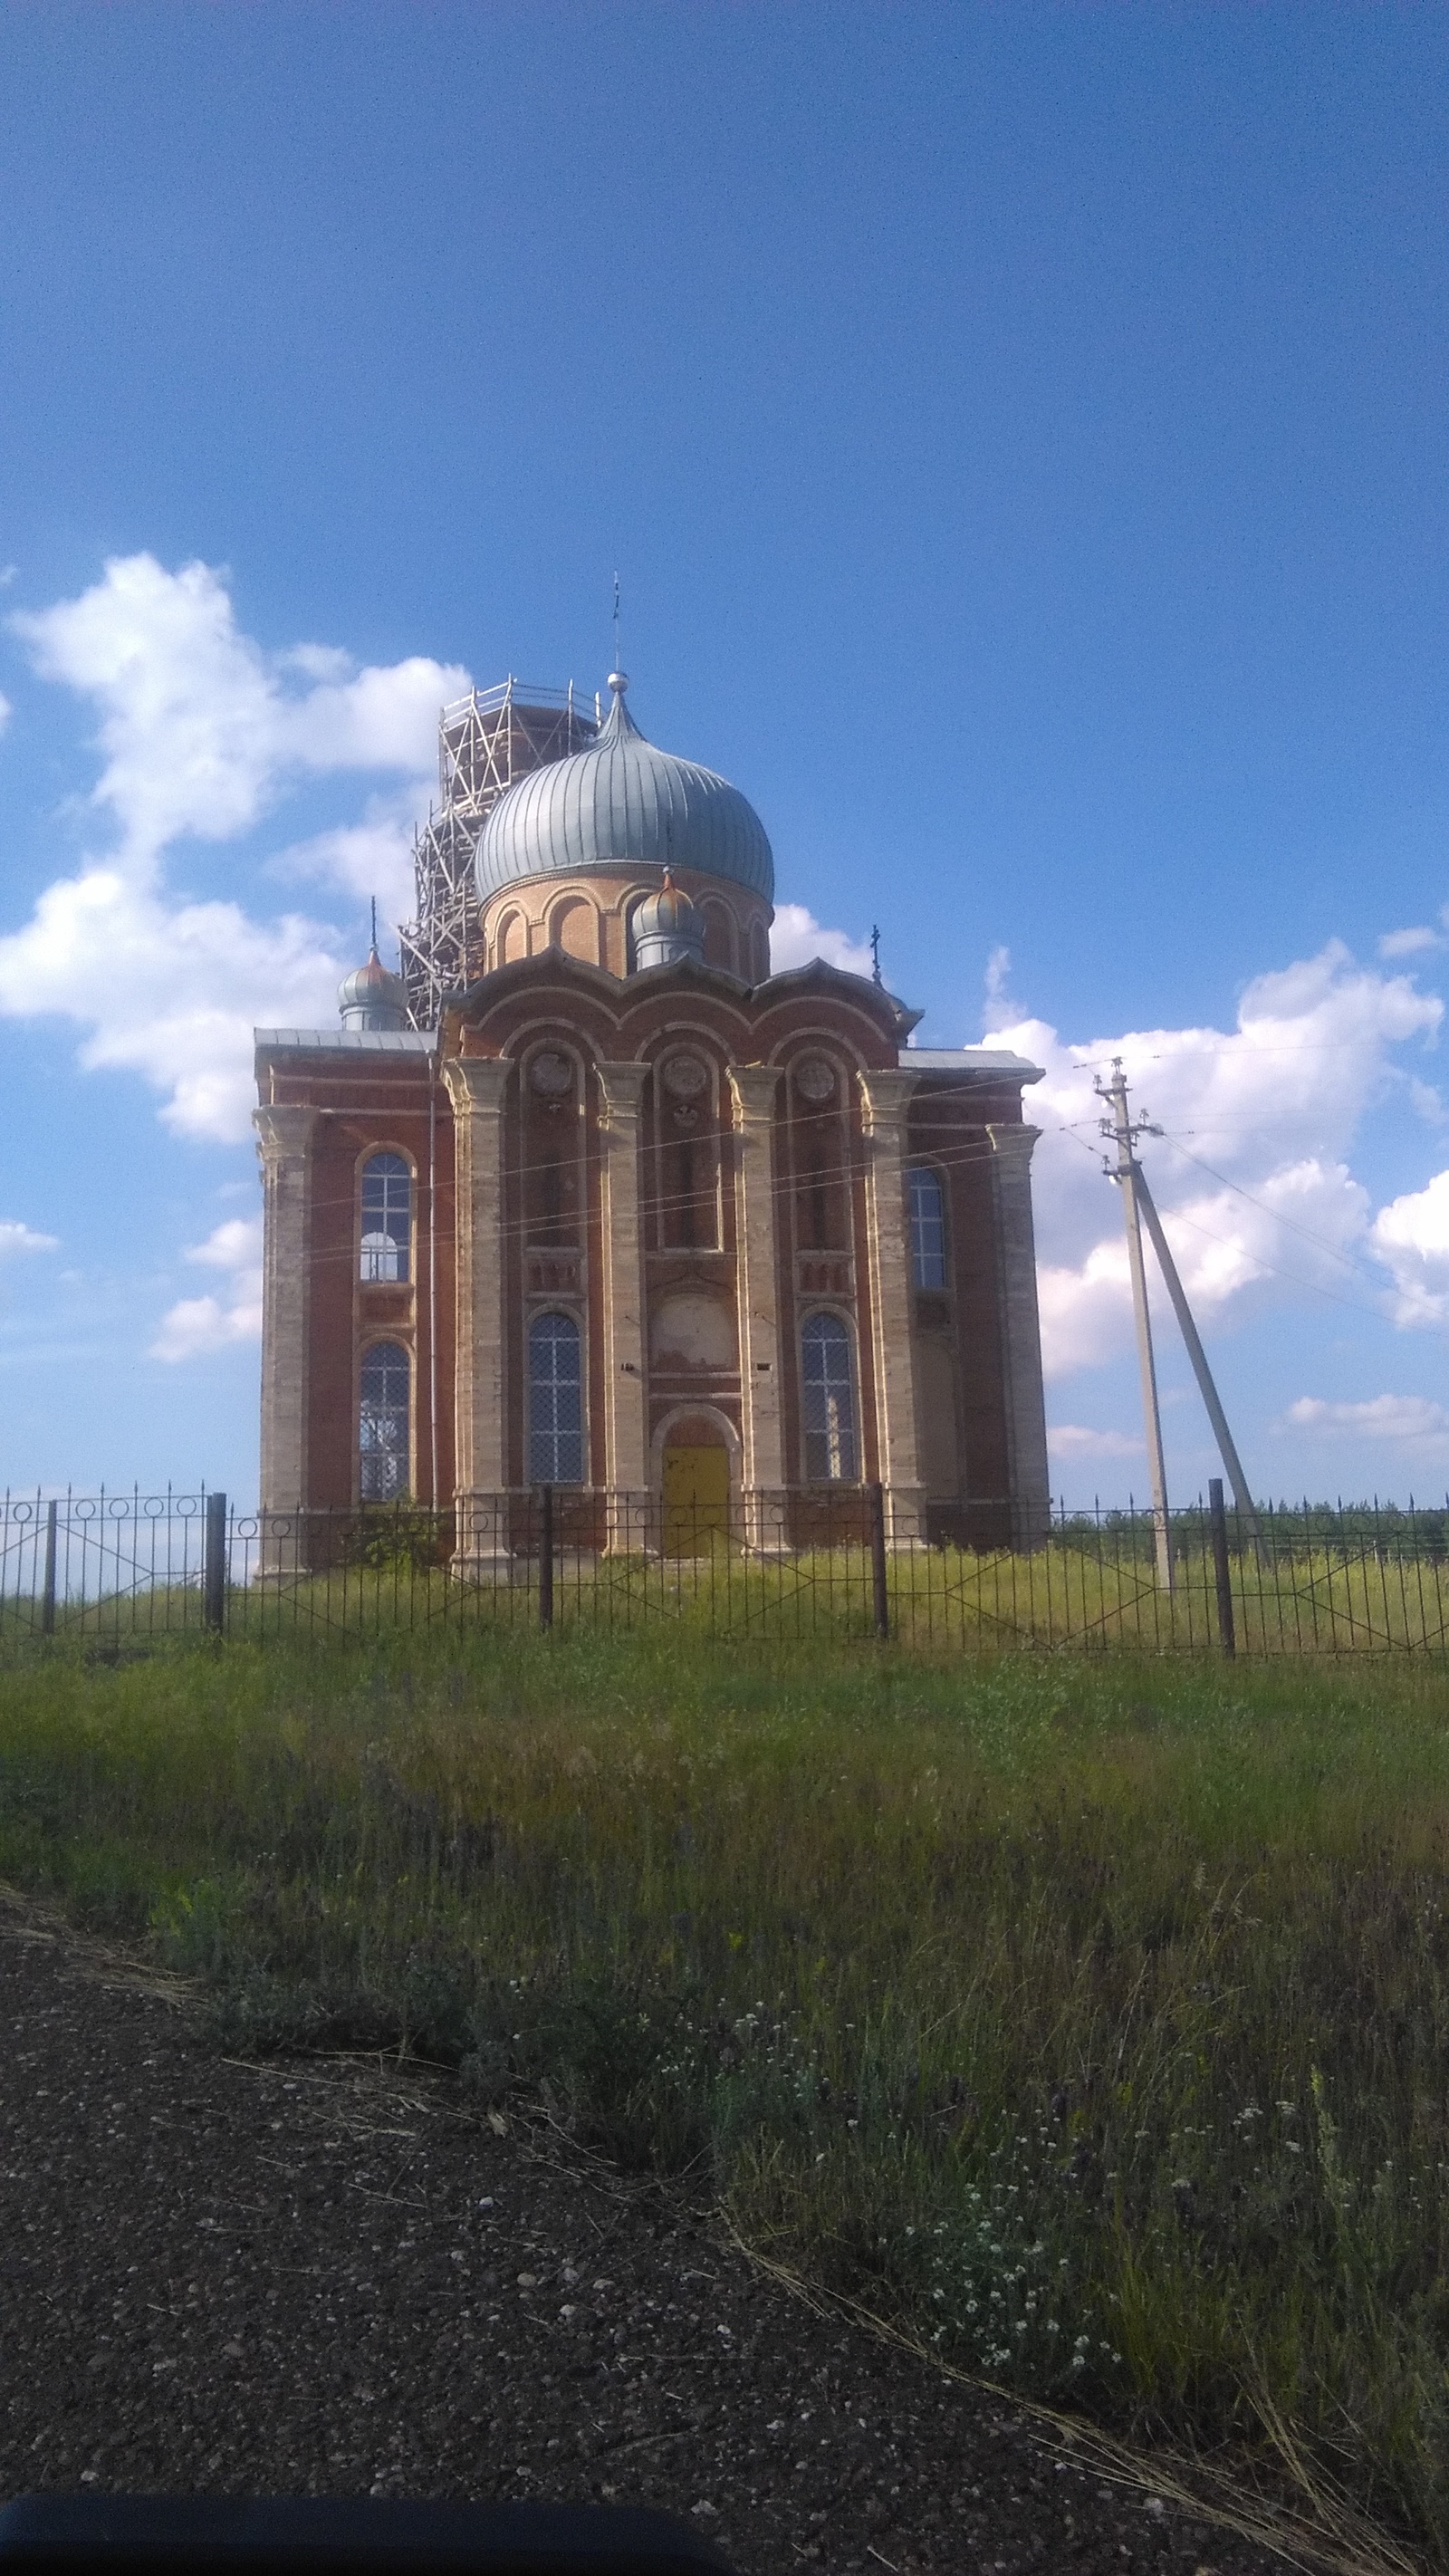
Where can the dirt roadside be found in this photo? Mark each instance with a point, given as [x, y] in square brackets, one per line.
[325, 2277]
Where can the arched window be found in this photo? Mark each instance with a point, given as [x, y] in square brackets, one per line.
[387, 1209]
[382, 1424]
[555, 1401]
[829, 1402]
[928, 1228]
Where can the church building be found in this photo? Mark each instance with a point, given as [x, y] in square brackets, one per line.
[589, 1198]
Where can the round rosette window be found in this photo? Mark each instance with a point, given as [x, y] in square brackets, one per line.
[815, 1080]
[685, 1080]
[551, 1075]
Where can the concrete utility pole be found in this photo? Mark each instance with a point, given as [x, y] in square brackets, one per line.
[1198, 1356]
[1139, 1208]
[1128, 1178]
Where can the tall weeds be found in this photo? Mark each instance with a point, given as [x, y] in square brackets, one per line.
[1092, 2018]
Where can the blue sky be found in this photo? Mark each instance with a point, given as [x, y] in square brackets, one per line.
[1020, 433]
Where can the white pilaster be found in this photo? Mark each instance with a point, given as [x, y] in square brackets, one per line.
[886, 1098]
[1026, 1447]
[478, 1088]
[284, 1147]
[626, 1383]
[755, 1088]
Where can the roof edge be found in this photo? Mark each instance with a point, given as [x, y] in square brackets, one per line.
[986, 1063]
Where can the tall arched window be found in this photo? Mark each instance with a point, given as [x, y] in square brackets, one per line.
[555, 1401]
[387, 1211]
[382, 1425]
[928, 1228]
[829, 1401]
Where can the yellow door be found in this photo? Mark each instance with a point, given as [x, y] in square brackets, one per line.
[696, 1499]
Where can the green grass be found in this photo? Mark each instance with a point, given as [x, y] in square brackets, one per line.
[1083, 1592]
[1090, 2017]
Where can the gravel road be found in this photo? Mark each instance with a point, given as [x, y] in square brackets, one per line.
[324, 2277]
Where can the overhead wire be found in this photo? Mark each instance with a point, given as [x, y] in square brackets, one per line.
[789, 1184]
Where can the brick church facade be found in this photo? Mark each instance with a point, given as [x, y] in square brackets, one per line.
[618, 1211]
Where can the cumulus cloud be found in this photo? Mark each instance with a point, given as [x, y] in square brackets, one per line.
[1411, 1237]
[999, 1004]
[15, 1237]
[1078, 1440]
[202, 730]
[1413, 1424]
[198, 1325]
[202, 733]
[373, 857]
[1252, 1176]
[1409, 943]
[797, 937]
[169, 990]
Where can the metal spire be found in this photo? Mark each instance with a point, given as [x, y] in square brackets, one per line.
[875, 954]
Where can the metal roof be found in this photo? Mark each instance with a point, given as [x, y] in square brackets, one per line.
[351, 1041]
[618, 804]
[970, 1060]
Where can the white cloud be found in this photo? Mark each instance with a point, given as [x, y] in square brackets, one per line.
[15, 1237]
[197, 1325]
[1408, 943]
[1413, 1423]
[999, 1004]
[797, 937]
[1272, 1105]
[6, 711]
[202, 732]
[169, 991]
[201, 729]
[1411, 1236]
[1077, 1440]
[373, 857]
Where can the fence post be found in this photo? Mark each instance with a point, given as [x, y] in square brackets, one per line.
[545, 1558]
[213, 1571]
[1219, 1520]
[875, 1495]
[47, 1597]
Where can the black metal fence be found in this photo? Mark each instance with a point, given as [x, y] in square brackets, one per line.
[114, 1571]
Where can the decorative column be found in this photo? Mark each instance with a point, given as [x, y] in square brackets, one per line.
[626, 1383]
[1026, 1448]
[478, 1087]
[762, 1467]
[284, 1148]
[886, 1100]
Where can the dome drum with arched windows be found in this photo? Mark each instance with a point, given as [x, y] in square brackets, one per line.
[705, 1253]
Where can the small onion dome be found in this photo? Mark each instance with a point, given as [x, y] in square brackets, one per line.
[371, 998]
[617, 805]
[668, 928]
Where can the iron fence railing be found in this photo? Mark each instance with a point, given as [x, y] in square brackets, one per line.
[121, 1570]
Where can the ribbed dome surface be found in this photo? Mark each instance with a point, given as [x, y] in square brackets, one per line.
[621, 804]
[371, 998]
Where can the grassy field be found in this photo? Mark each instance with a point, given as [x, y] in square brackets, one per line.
[1307, 1589]
[1089, 2017]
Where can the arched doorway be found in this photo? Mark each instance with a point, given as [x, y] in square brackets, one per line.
[696, 1486]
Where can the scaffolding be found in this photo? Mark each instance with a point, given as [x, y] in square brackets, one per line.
[485, 741]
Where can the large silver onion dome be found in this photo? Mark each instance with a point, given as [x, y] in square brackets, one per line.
[622, 804]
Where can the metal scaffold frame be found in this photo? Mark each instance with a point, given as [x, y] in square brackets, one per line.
[485, 742]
